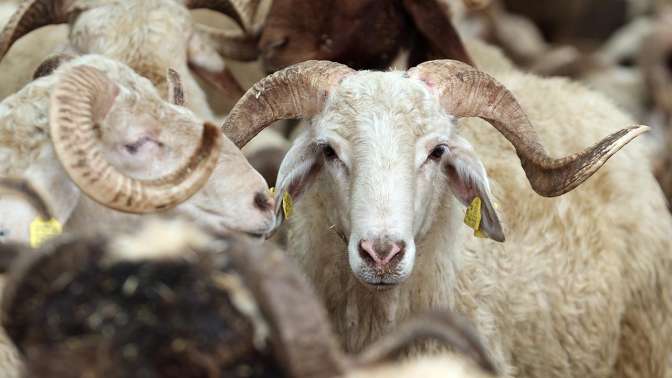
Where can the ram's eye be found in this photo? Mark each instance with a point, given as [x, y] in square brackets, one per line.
[437, 152]
[329, 152]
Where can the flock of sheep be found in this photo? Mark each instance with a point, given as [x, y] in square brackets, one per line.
[447, 205]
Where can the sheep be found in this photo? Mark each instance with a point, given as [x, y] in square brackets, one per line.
[579, 289]
[16, 67]
[361, 34]
[144, 155]
[169, 299]
[149, 36]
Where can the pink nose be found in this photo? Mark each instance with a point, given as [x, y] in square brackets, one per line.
[381, 253]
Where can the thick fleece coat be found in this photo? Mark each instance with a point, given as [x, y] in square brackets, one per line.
[581, 286]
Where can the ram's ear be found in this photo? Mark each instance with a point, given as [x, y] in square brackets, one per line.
[467, 180]
[433, 19]
[297, 172]
[207, 63]
[44, 192]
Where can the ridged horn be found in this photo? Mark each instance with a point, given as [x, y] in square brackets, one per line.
[74, 110]
[33, 14]
[466, 92]
[298, 91]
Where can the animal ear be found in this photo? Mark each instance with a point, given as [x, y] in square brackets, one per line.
[206, 62]
[433, 19]
[468, 180]
[297, 172]
[43, 191]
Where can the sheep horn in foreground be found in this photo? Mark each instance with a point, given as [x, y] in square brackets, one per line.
[77, 103]
[244, 294]
[300, 91]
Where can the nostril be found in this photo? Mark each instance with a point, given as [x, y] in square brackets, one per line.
[366, 252]
[262, 201]
[396, 253]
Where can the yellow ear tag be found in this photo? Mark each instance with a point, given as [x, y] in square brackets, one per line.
[287, 205]
[41, 230]
[472, 218]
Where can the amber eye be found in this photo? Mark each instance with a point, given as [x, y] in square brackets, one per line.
[437, 152]
[329, 152]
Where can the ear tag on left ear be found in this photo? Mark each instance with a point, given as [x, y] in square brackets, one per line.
[287, 205]
[41, 230]
[472, 218]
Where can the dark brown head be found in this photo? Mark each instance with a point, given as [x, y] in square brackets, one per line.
[363, 34]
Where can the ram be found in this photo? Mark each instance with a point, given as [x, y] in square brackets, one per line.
[96, 127]
[380, 180]
[169, 299]
[149, 36]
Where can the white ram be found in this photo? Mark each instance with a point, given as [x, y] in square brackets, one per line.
[95, 125]
[383, 174]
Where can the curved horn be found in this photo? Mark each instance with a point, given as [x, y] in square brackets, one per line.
[175, 89]
[300, 330]
[75, 104]
[445, 327]
[242, 11]
[298, 91]
[467, 92]
[33, 14]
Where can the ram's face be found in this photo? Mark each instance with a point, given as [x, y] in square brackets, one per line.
[147, 137]
[381, 147]
[144, 151]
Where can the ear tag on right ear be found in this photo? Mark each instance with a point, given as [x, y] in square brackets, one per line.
[41, 230]
[287, 205]
[472, 218]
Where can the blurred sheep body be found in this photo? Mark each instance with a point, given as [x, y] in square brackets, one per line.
[155, 139]
[563, 297]
[149, 36]
[171, 300]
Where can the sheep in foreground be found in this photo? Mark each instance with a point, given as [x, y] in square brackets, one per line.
[171, 300]
[150, 36]
[380, 178]
[361, 34]
[96, 127]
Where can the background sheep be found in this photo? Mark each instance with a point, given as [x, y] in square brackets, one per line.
[150, 36]
[361, 34]
[562, 297]
[155, 155]
[170, 300]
